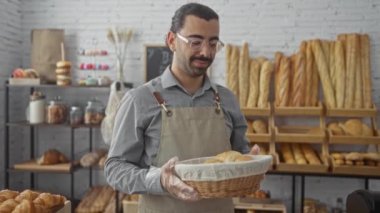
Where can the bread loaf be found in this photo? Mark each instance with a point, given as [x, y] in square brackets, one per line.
[259, 127]
[298, 155]
[284, 82]
[277, 63]
[335, 128]
[332, 68]
[244, 75]
[340, 73]
[310, 155]
[254, 83]
[298, 81]
[314, 83]
[366, 70]
[351, 66]
[309, 75]
[353, 127]
[234, 77]
[265, 77]
[287, 154]
[358, 95]
[52, 156]
[328, 90]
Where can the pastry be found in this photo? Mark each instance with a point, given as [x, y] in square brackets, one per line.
[8, 205]
[27, 195]
[49, 200]
[52, 156]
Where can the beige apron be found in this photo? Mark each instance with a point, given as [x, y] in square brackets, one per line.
[189, 132]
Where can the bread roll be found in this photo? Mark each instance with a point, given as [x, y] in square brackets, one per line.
[254, 83]
[352, 43]
[366, 70]
[354, 156]
[337, 156]
[259, 127]
[371, 156]
[244, 75]
[265, 76]
[283, 82]
[328, 90]
[335, 129]
[340, 73]
[234, 77]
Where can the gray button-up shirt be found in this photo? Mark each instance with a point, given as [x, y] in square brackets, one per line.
[137, 130]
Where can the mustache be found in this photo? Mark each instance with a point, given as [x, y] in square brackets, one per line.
[201, 59]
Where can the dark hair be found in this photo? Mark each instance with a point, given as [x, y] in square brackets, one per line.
[198, 10]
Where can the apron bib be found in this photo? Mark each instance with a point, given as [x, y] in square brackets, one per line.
[189, 132]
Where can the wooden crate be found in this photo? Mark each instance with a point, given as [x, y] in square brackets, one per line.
[348, 139]
[300, 111]
[354, 170]
[257, 111]
[306, 168]
[298, 134]
[371, 112]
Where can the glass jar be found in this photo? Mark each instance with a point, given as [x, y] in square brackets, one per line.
[94, 112]
[56, 112]
[76, 115]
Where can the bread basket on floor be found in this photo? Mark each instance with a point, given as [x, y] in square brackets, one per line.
[232, 179]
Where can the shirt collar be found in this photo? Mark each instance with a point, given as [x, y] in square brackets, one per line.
[168, 80]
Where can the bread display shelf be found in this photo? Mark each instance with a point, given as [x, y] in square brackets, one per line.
[261, 138]
[301, 111]
[302, 168]
[355, 170]
[371, 112]
[257, 111]
[272, 205]
[298, 134]
[34, 167]
[348, 139]
[24, 81]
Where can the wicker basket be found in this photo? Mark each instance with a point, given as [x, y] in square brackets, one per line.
[218, 180]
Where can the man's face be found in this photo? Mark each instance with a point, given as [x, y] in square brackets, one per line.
[196, 55]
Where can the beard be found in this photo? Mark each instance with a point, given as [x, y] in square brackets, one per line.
[201, 70]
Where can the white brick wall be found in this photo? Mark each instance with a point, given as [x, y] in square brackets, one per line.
[268, 25]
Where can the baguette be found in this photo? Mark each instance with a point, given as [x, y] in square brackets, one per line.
[332, 66]
[265, 76]
[254, 76]
[244, 75]
[340, 73]
[350, 75]
[358, 95]
[298, 155]
[314, 81]
[310, 155]
[234, 77]
[366, 71]
[277, 63]
[328, 90]
[284, 82]
[325, 44]
[309, 75]
[298, 81]
[287, 153]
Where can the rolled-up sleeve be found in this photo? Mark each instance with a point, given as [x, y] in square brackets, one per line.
[123, 168]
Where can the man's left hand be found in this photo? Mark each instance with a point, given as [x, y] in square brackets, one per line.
[255, 150]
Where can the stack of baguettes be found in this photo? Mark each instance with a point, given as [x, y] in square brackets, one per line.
[248, 78]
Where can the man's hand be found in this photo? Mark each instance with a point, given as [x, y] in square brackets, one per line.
[174, 185]
[255, 150]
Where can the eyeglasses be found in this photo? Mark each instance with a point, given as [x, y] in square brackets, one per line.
[196, 44]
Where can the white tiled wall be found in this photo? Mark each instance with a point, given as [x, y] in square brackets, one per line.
[268, 26]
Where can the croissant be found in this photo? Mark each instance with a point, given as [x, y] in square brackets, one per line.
[7, 194]
[29, 206]
[49, 200]
[8, 206]
[27, 195]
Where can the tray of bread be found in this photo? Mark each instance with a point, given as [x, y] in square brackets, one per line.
[299, 134]
[227, 174]
[33, 201]
[258, 131]
[300, 158]
[356, 163]
[352, 131]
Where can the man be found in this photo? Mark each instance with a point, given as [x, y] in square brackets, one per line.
[179, 115]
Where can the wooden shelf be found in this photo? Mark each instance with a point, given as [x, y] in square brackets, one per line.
[371, 112]
[32, 166]
[348, 139]
[272, 205]
[261, 138]
[298, 134]
[299, 111]
[357, 170]
[257, 111]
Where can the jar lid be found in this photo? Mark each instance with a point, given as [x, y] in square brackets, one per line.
[75, 108]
